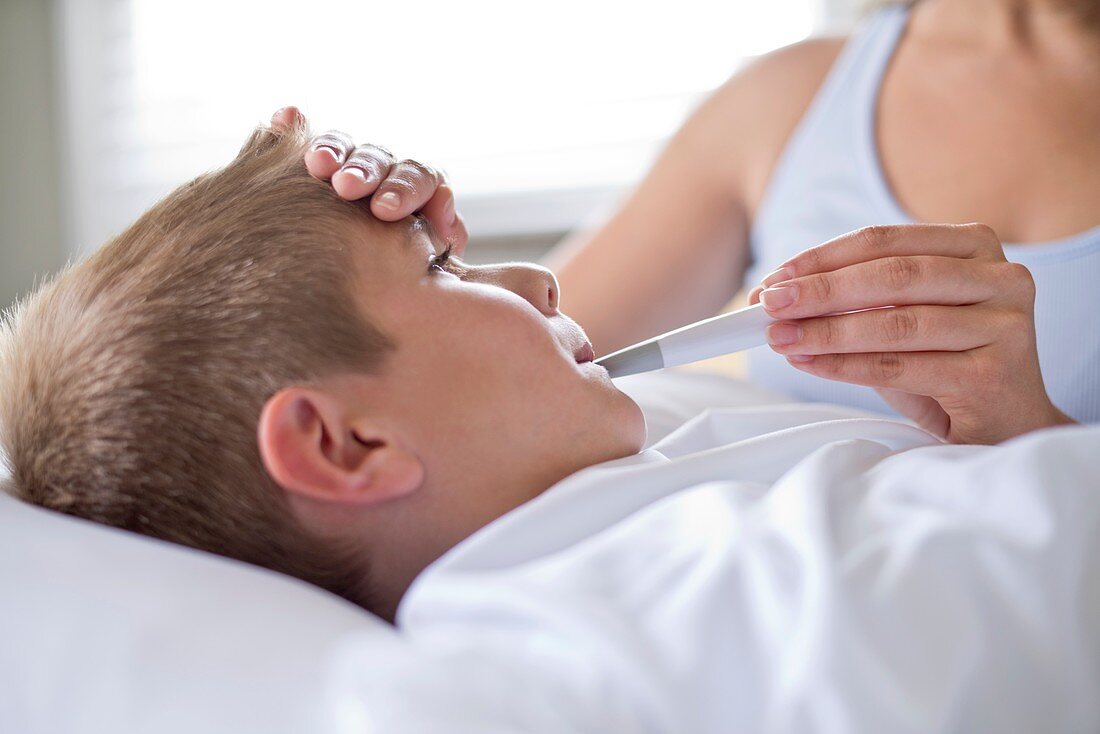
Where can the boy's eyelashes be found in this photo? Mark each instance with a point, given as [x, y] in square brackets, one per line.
[444, 262]
[441, 260]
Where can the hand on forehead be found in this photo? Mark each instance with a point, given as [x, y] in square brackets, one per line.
[396, 188]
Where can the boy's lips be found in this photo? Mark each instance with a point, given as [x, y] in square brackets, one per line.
[585, 353]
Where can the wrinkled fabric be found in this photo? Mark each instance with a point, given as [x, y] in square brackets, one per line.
[781, 569]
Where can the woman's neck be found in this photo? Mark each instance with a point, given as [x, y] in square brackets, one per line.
[1041, 27]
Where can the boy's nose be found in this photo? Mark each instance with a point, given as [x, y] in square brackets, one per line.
[535, 283]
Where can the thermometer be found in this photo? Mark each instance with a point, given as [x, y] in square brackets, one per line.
[713, 337]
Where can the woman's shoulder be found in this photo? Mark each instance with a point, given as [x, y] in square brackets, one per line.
[757, 109]
[805, 62]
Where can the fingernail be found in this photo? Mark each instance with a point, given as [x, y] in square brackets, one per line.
[781, 297]
[800, 357]
[389, 200]
[777, 276]
[449, 212]
[326, 149]
[358, 173]
[782, 334]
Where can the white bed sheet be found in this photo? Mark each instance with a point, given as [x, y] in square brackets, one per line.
[779, 569]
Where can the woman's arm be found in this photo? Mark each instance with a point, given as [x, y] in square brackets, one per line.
[676, 249]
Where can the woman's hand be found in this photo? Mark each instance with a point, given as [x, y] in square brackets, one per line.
[397, 188]
[955, 352]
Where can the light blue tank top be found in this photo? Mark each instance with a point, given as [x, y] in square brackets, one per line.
[829, 181]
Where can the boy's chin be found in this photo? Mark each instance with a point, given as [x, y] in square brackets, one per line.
[643, 434]
[617, 420]
[634, 426]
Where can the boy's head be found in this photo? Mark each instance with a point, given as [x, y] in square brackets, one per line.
[262, 370]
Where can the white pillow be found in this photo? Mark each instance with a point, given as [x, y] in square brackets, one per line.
[108, 631]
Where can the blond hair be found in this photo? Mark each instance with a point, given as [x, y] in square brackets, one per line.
[131, 384]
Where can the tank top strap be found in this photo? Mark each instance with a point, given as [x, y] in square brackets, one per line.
[830, 139]
[846, 102]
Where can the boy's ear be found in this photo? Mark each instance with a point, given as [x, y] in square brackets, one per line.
[312, 445]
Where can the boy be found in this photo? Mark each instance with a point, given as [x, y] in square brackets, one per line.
[262, 370]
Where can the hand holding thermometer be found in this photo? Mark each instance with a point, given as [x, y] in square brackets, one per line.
[713, 337]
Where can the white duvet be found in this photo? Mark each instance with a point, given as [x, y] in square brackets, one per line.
[778, 569]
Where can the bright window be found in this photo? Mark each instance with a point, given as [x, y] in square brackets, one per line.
[511, 98]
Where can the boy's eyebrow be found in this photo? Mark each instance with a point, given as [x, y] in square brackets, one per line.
[424, 225]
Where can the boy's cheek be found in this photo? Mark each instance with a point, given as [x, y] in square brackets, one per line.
[523, 340]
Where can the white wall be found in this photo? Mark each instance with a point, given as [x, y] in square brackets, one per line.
[31, 215]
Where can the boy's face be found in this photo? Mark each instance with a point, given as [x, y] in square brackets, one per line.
[488, 398]
[489, 372]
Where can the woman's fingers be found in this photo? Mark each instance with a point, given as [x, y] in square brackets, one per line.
[891, 281]
[328, 153]
[901, 329]
[872, 243]
[459, 235]
[397, 188]
[286, 116]
[923, 410]
[940, 375]
[332, 152]
[363, 170]
[408, 187]
[440, 211]
[322, 162]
